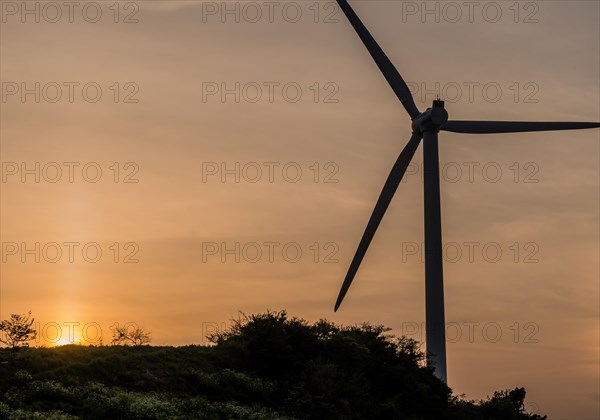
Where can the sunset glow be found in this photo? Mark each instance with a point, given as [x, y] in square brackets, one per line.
[195, 166]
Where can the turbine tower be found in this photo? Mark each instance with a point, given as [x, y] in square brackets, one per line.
[427, 125]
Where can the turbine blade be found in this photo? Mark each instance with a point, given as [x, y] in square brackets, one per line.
[390, 187]
[383, 62]
[493, 127]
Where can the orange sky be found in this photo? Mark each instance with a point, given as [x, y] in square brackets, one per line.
[534, 197]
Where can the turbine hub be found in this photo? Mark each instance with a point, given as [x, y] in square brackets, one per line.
[432, 119]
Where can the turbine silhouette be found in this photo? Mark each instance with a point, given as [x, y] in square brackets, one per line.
[426, 125]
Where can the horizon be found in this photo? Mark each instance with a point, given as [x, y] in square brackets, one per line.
[200, 203]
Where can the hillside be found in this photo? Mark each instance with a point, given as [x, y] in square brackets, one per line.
[266, 366]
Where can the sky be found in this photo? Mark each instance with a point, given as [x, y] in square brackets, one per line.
[171, 164]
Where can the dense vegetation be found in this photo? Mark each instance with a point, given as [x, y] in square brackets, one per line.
[266, 366]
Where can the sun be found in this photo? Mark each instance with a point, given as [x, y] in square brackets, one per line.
[74, 337]
[63, 342]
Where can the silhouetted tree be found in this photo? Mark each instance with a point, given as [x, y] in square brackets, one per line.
[508, 404]
[18, 330]
[129, 334]
[323, 370]
[327, 371]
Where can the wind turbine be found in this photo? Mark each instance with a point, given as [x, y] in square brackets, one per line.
[426, 125]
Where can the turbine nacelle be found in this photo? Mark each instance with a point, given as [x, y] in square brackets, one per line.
[432, 119]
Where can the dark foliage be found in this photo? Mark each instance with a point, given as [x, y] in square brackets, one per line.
[266, 366]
